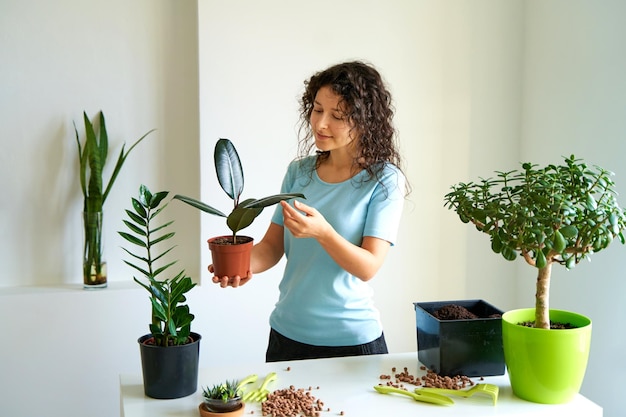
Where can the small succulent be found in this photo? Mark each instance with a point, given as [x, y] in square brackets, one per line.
[225, 391]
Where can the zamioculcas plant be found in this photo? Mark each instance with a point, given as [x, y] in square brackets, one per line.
[92, 157]
[230, 177]
[559, 214]
[171, 319]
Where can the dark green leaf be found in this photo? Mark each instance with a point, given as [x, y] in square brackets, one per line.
[199, 205]
[228, 169]
[271, 200]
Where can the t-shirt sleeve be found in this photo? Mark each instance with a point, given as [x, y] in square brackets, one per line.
[385, 210]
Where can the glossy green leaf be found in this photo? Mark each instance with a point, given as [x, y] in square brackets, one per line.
[269, 201]
[496, 244]
[508, 253]
[540, 260]
[199, 205]
[569, 231]
[228, 169]
[559, 243]
[242, 217]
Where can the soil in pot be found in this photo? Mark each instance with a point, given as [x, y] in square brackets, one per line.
[457, 312]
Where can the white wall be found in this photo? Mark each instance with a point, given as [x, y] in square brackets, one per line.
[137, 62]
[574, 101]
[478, 85]
[252, 70]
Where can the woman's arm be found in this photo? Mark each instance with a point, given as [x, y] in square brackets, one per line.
[361, 261]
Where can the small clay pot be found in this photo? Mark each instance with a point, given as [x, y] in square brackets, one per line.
[230, 259]
[205, 412]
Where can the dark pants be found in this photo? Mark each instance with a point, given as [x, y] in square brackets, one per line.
[281, 348]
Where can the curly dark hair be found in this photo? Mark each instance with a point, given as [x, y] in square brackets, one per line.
[367, 105]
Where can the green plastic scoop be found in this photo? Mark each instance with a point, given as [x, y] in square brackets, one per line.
[427, 397]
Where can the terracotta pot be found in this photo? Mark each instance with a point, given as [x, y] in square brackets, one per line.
[231, 259]
[204, 412]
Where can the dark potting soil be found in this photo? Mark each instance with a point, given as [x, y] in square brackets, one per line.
[228, 240]
[457, 312]
[553, 325]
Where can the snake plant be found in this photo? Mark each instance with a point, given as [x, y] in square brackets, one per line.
[92, 157]
[230, 177]
[558, 214]
[171, 319]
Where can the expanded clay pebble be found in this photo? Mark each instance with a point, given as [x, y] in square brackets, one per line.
[431, 379]
[291, 402]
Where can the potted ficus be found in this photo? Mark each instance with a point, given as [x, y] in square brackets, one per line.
[231, 253]
[170, 352]
[92, 157]
[555, 215]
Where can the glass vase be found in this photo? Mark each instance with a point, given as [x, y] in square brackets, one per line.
[94, 263]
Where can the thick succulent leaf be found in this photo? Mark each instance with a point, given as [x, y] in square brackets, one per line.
[199, 205]
[228, 169]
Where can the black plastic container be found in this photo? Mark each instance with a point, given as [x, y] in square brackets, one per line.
[470, 347]
[170, 372]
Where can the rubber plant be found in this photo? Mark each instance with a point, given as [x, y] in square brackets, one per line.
[92, 158]
[230, 176]
[171, 319]
[555, 215]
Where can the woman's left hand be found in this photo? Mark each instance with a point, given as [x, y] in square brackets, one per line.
[305, 221]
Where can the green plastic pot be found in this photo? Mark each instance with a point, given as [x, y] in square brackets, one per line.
[546, 366]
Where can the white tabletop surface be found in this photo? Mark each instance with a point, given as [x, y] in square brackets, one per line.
[346, 384]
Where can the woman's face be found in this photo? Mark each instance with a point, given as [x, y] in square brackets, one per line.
[328, 122]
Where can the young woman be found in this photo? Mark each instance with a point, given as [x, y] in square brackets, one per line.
[336, 241]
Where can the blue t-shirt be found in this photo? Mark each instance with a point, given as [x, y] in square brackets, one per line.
[320, 303]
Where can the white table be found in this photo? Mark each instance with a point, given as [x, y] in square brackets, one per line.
[346, 384]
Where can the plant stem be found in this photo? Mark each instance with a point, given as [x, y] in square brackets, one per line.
[542, 305]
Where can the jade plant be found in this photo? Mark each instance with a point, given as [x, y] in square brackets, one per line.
[92, 157]
[558, 214]
[171, 319]
[230, 177]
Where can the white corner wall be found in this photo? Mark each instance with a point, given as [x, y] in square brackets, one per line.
[574, 101]
[478, 85]
[63, 348]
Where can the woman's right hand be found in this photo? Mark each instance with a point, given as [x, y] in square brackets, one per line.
[226, 281]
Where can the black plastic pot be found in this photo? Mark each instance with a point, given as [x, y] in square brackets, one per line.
[170, 372]
[470, 347]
